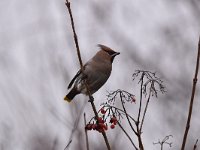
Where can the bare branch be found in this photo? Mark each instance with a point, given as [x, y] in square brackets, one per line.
[126, 134]
[127, 114]
[81, 66]
[145, 110]
[74, 32]
[140, 107]
[192, 99]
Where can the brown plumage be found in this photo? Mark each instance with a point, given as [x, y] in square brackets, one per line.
[96, 71]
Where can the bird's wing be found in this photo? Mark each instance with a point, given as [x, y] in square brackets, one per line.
[79, 73]
[72, 81]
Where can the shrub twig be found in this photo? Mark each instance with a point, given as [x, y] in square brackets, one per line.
[138, 118]
[127, 116]
[164, 141]
[81, 66]
[125, 132]
[192, 99]
[145, 110]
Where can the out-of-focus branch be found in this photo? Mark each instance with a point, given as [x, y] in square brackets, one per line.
[195, 145]
[192, 99]
[81, 65]
[86, 134]
[75, 127]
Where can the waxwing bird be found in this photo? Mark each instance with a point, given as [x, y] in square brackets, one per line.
[96, 72]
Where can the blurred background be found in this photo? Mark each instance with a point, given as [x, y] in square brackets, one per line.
[38, 60]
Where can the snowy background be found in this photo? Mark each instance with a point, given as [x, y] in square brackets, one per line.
[38, 59]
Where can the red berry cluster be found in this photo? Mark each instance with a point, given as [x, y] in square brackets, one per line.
[100, 124]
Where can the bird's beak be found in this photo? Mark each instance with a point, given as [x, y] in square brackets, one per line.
[115, 54]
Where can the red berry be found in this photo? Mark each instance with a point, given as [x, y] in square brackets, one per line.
[100, 130]
[103, 111]
[115, 122]
[94, 126]
[112, 126]
[88, 127]
[100, 120]
[113, 119]
[101, 125]
[133, 99]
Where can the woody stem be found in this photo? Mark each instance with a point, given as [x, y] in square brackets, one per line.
[81, 65]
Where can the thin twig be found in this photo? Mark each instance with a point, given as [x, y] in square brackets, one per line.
[81, 65]
[74, 32]
[138, 119]
[145, 110]
[125, 132]
[127, 135]
[127, 116]
[75, 126]
[140, 107]
[164, 141]
[86, 133]
[122, 111]
[192, 99]
[195, 145]
[68, 144]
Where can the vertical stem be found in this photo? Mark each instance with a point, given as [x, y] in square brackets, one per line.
[138, 119]
[74, 32]
[86, 133]
[81, 65]
[140, 107]
[191, 100]
[138, 133]
[139, 138]
[145, 110]
[195, 145]
[127, 115]
[162, 146]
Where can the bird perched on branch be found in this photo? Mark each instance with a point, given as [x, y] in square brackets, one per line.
[95, 73]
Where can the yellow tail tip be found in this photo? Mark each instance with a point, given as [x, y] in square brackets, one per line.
[67, 99]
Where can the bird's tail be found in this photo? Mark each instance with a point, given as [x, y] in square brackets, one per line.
[69, 97]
